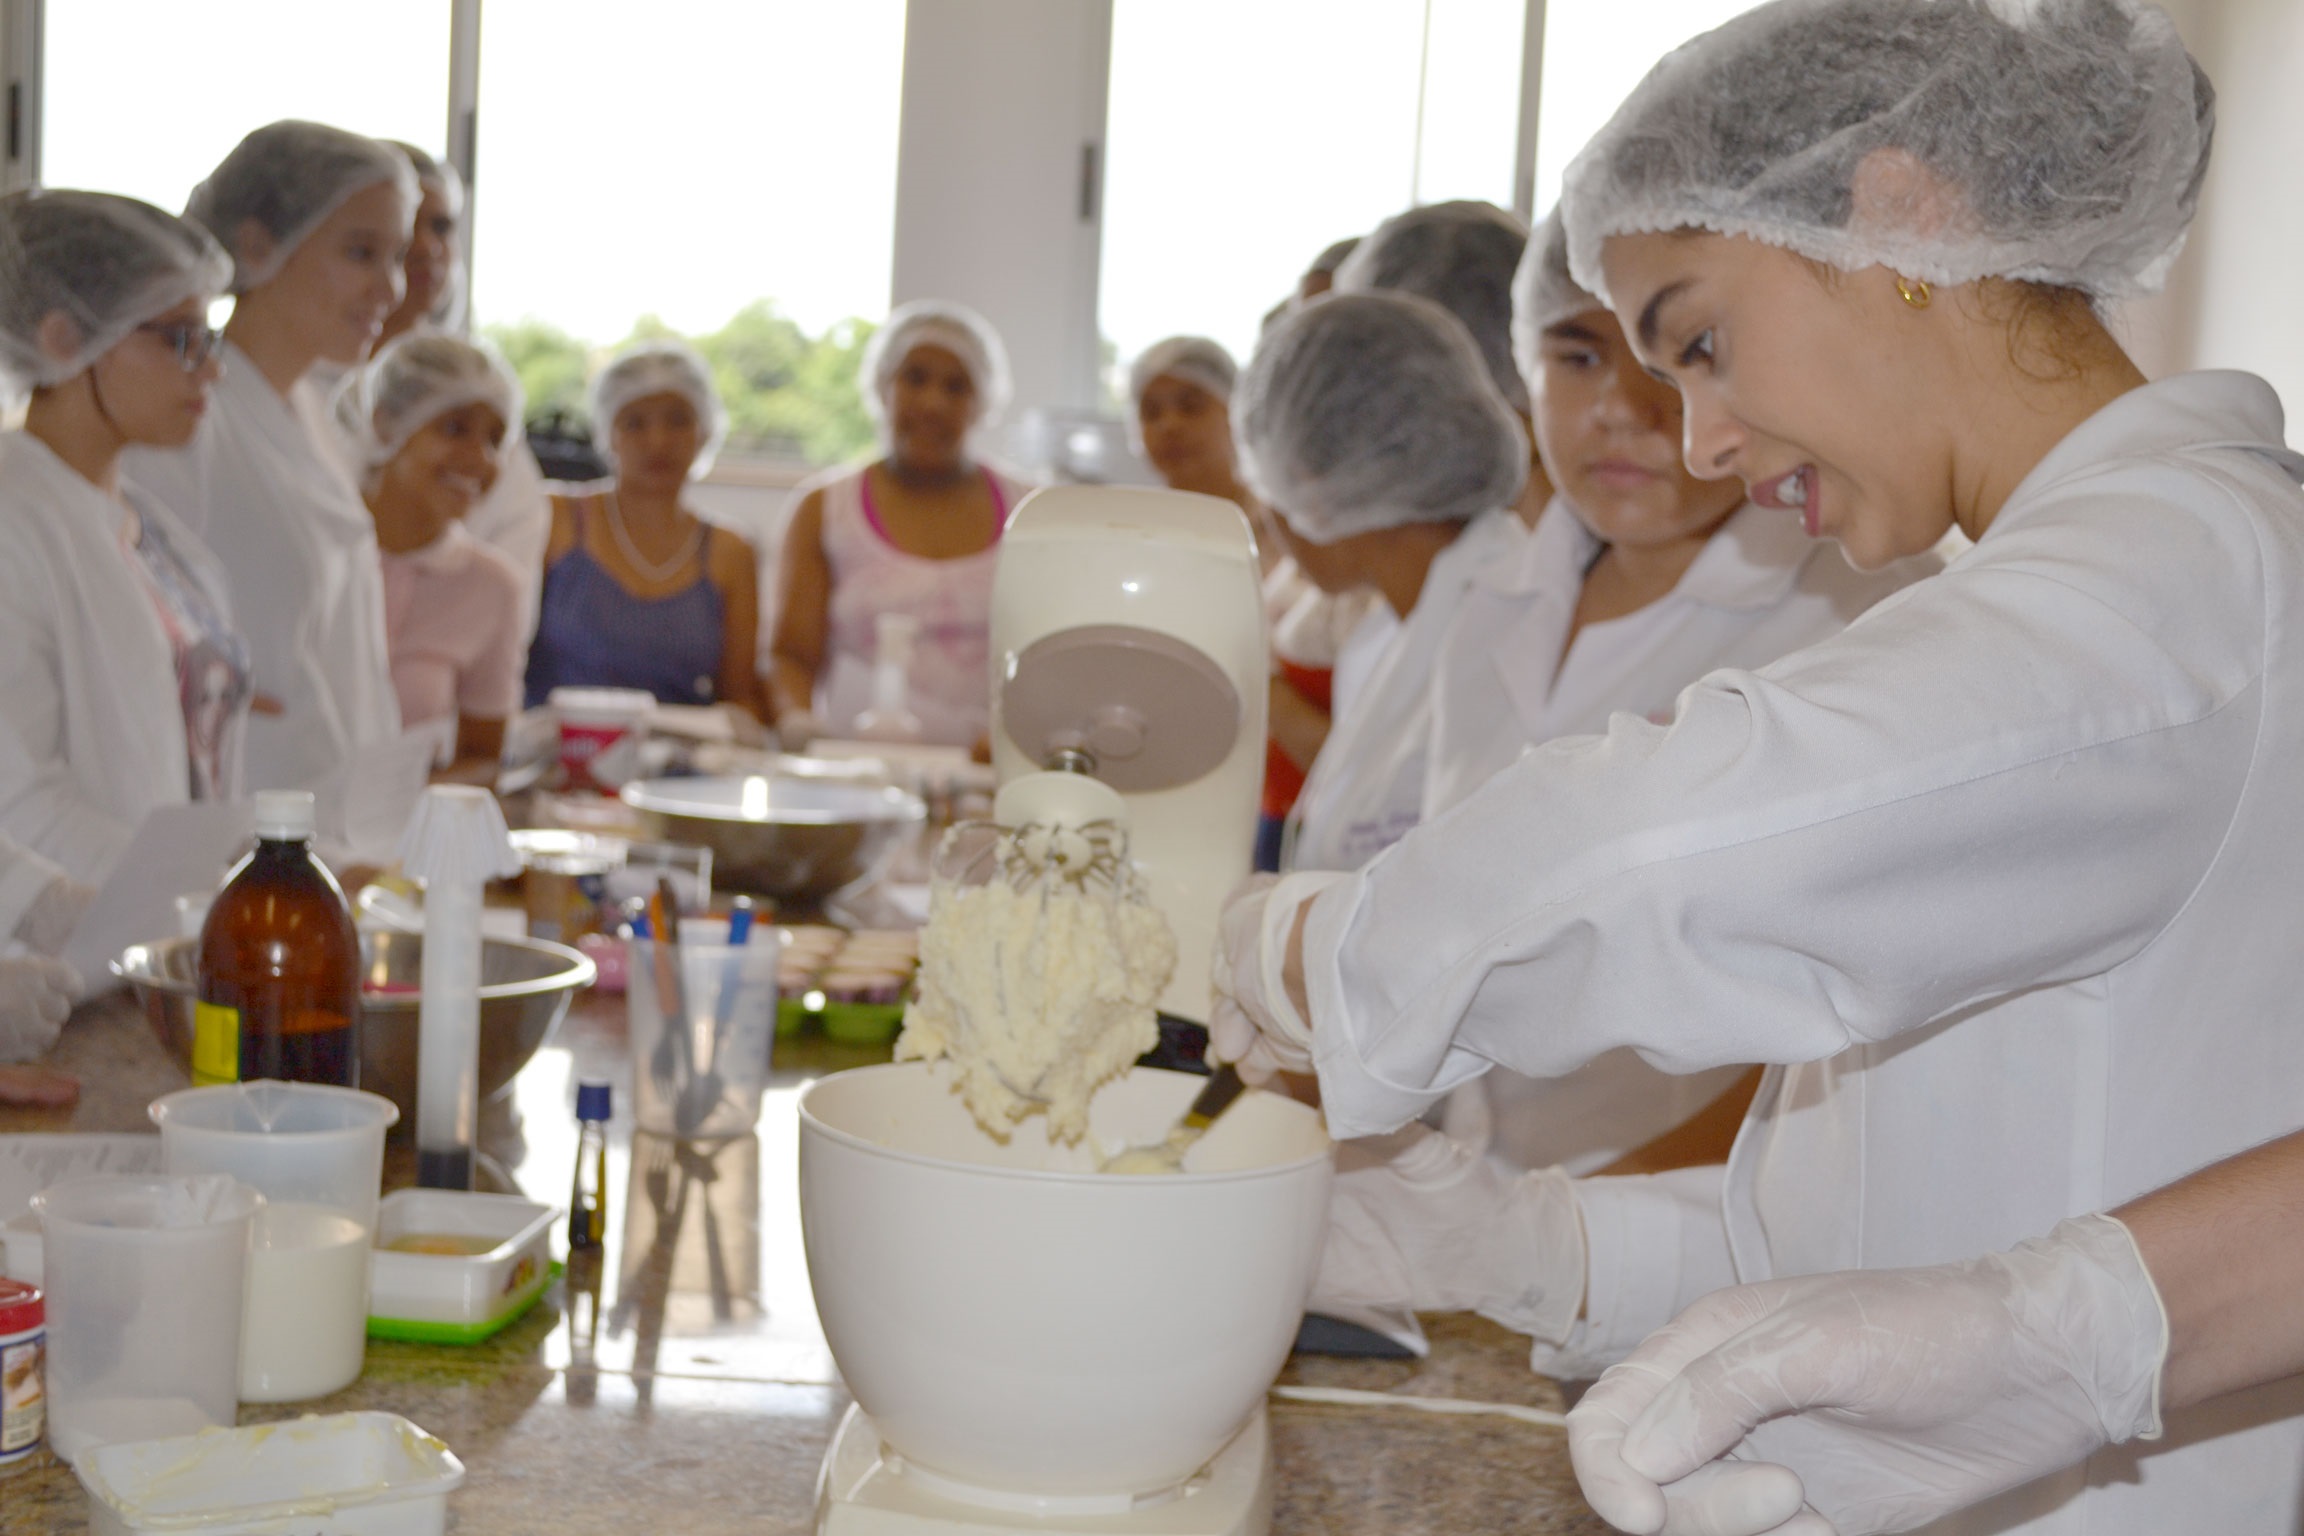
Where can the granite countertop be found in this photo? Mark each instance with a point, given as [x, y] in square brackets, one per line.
[684, 1379]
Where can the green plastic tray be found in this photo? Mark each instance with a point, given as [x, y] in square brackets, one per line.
[410, 1331]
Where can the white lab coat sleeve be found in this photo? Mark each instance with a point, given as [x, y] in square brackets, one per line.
[1653, 1243]
[2012, 775]
[42, 803]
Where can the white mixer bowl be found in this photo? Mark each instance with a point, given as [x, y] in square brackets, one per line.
[1019, 1326]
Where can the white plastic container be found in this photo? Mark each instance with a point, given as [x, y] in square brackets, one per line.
[302, 1142]
[600, 734]
[304, 1323]
[144, 1283]
[432, 1298]
[348, 1474]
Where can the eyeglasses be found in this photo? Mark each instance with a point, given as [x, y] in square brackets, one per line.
[192, 341]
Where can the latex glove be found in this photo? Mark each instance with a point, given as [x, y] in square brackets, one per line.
[47, 924]
[796, 728]
[1896, 1396]
[35, 996]
[1251, 1022]
[1420, 1219]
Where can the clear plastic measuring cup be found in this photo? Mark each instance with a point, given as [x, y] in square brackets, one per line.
[144, 1278]
[302, 1142]
[702, 1016]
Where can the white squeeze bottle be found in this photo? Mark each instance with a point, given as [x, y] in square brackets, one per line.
[890, 718]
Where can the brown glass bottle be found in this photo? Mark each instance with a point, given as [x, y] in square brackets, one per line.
[279, 970]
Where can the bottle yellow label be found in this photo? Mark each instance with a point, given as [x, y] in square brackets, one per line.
[215, 1044]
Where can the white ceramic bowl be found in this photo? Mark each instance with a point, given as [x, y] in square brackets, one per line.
[1018, 1324]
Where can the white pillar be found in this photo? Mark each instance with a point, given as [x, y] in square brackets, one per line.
[19, 94]
[999, 186]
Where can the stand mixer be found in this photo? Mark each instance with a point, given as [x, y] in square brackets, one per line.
[1018, 1303]
[1128, 646]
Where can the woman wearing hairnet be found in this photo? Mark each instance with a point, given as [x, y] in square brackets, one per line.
[434, 268]
[440, 416]
[1640, 579]
[123, 684]
[639, 591]
[1370, 426]
[315, 220]
[1461, 255]
[914, 531]
[515, 516]
[1181, 391]
[2001, 877]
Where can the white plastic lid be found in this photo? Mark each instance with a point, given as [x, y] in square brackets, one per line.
[284, 813]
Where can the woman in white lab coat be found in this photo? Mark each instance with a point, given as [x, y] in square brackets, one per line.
[2003, 876]
[1369, 424]
[122, 683]
[1640, 579]
[315, 219]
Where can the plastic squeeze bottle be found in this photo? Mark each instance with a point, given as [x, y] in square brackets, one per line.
[891, 718]
[279, 963]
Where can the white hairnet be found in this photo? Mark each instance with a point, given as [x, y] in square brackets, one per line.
[956, 328]
[1461, 256]
[2054, 141]
[1333, 256]
[1369, 410]
[107, 264]
[658, 368]
[1543, 294]
[419, 378]
[1194, 359]
[288, 177]
[433, 171]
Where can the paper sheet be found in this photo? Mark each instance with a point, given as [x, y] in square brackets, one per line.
[365, 805]
[180, 850]
[29, 1164]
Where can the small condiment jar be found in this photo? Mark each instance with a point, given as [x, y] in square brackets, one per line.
[23, 1372]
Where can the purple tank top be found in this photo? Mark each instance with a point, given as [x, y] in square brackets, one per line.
[591, 633]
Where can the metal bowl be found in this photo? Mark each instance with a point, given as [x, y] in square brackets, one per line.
[525, 987]
[789, 837]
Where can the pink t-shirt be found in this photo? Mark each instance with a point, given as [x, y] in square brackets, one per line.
[452, 623]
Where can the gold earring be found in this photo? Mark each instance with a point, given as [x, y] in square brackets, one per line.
[1915, 293]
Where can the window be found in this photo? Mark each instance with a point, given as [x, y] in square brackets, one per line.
[1595, 51]
[146, 96]
[1247, 135]
[720, 169]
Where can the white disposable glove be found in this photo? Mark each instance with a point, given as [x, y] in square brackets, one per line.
[35, 995]
[1896, 1396]
[1421, 1220]
[47, 924]
[1251, 1023]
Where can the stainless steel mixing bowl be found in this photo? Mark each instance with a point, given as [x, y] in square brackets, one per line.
[525, 987]
[791, 838]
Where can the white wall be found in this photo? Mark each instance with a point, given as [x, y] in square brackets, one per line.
[2236, 298]
[1000, 98]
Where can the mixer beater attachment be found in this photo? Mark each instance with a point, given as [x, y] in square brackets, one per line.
[1042, 961]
